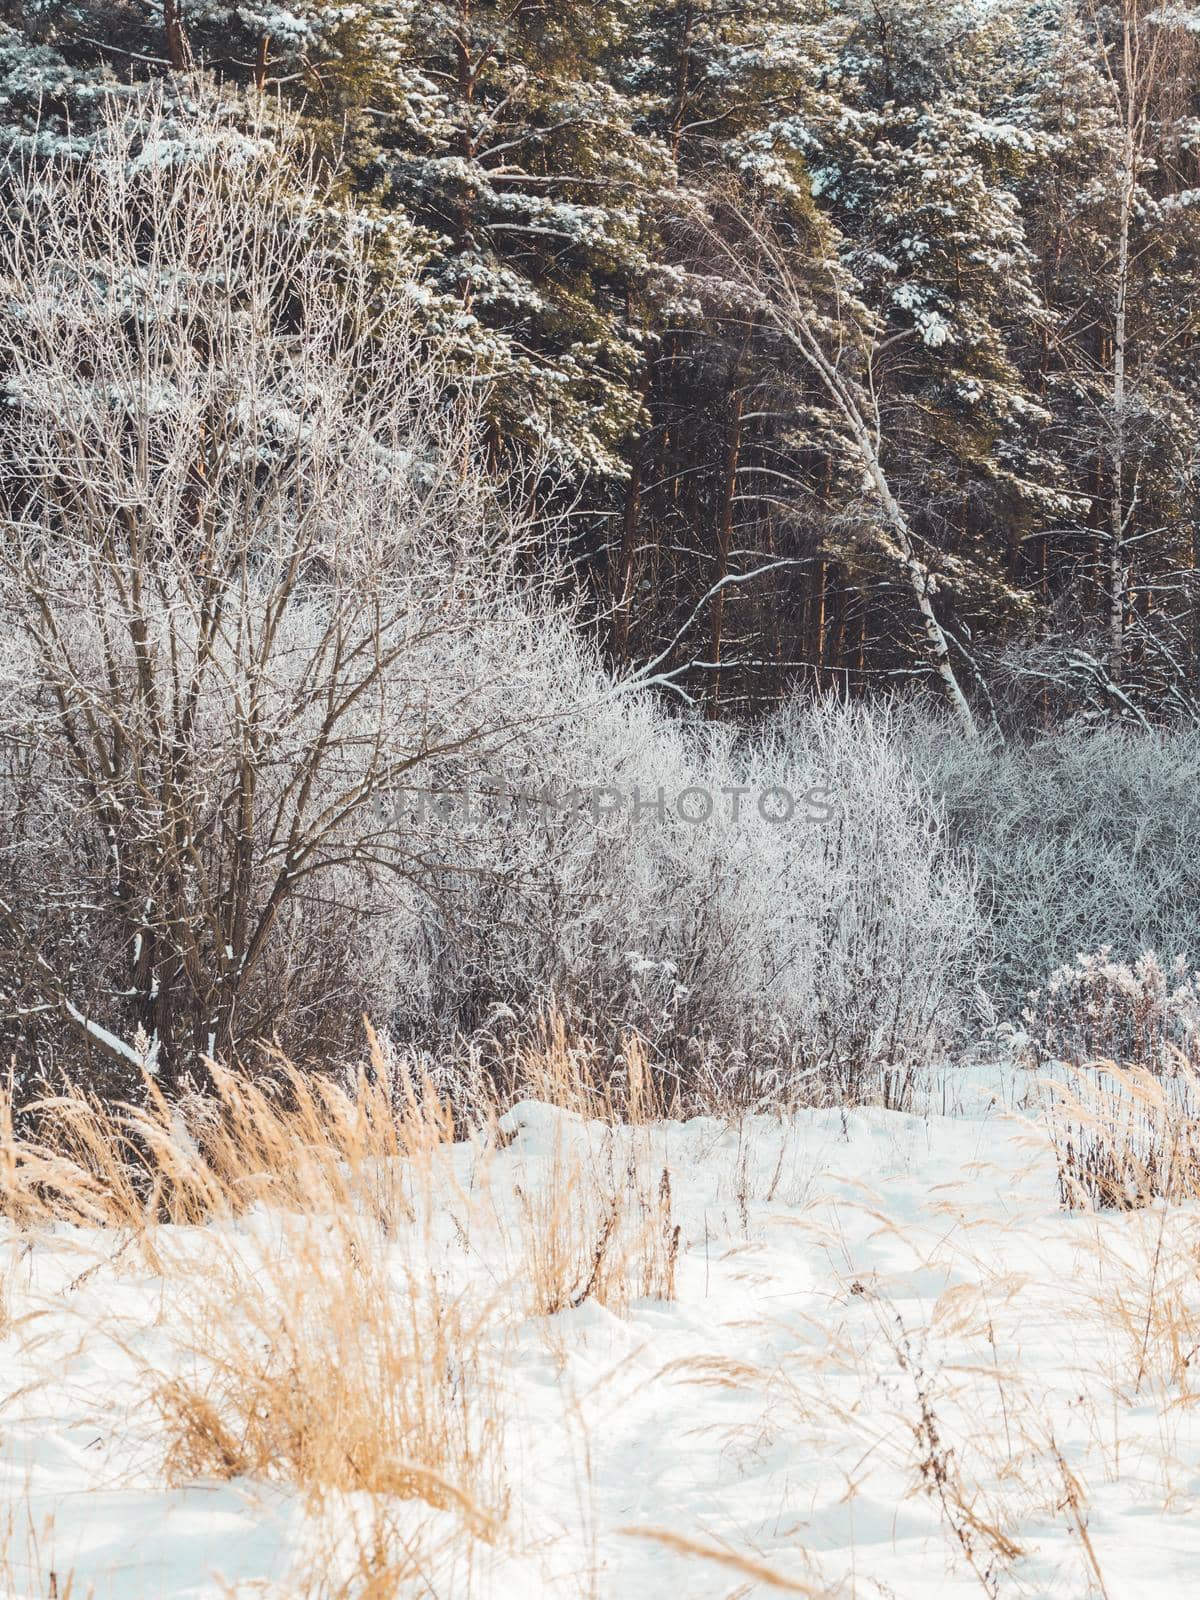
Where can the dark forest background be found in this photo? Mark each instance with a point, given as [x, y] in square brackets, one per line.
[983, 215]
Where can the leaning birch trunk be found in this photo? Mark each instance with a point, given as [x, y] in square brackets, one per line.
[799, 335]
[780, 303]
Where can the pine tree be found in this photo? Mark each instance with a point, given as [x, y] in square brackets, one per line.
[732, 455]
[990, 209]
[918, 173]
[508, 141]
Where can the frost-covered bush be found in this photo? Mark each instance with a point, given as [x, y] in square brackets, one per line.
[1098, 1009]
[1084, 838]
[258, 593]
[250, 566]
[843, 941]
[261, 606]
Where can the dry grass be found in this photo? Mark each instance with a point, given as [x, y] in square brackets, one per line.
[41, 1575]
[1143, 1296]
[327, 1365]
[320, 1348]
[993, 1473]
[316, 1236]
[567, 1069]
[593, 1219]
[758, 1572]
[369, 1550]
[987, 1549]
[1127, 1140]
[339, 1339]
[290, 1140]
[1125, 1137]
[596, 1227]
[6, 1276]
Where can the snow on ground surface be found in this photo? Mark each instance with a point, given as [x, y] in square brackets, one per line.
[894, 1367]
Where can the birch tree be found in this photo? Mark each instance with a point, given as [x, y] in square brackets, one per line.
[1109, 201]
[828, 340]
[1132, 65]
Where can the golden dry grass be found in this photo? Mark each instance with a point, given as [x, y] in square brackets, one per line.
[1127, 1140]
[326, 1365]
[760, 1573]
[596, 1226]
[330, 1342]
[1126, 1136]
[5, 1290]
[42, 1576]
[318, 1346]
[290, 1140]
[301, 1223]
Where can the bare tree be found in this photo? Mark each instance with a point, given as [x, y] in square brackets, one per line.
[248, 566]
[762, 267]
[1133, 66]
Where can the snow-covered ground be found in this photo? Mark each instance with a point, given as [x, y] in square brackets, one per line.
[893, 1367]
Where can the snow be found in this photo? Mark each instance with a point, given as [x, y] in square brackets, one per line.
[109, 1041]
[834, 1268]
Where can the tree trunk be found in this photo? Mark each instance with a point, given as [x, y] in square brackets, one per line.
[178, 52]
[681, 83]
[819, 624]
[260, 60]
[1116, 508]
[724, 536]
[920, 579]
[621, 590]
